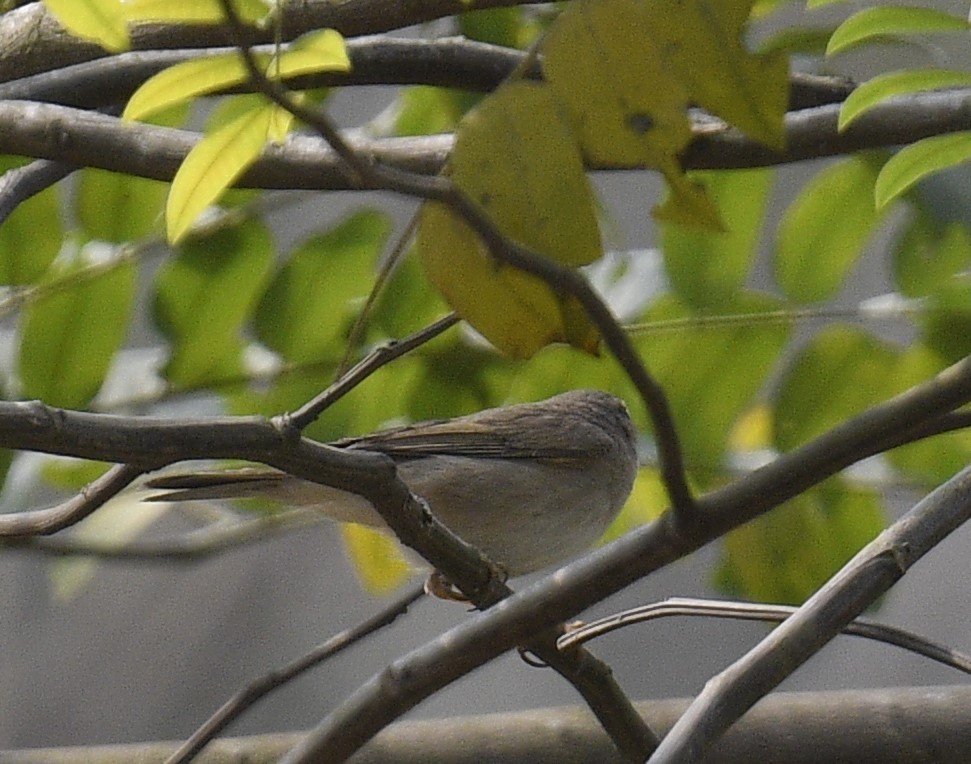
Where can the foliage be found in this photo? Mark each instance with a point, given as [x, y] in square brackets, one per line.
[619, 77]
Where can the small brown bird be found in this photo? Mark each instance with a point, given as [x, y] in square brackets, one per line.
[529, 485]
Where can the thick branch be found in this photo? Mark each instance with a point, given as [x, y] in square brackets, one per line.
[48, 131]
[31, 41]
[890, 726]
[454, 62]
[448, 62]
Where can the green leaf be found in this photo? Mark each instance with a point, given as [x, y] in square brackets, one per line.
[918, 160]
[926, 258]
[538, 195]
[839, 374]
[810, 41]
[118, 208]
[31, 236]
[376, 403]
[100, 21]
[890, 20]
[408, 301]
[498, 26]
[218, 160]
[732, 357]
[708, 267]
[946, 322]
[455, 378]
[786, 555]
[813, 255]
[763, 8]
[321, 51]
[205, 294]
[71, 474]
[425, 110]
[70, 335]
[885, 86]
[193, 11]
[933, 460]
[559, 368]
[303, 315]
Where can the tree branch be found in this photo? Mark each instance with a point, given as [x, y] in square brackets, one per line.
[21, 183]
[605, 571]
[194, 545]
[447, 62]
[31, 41]
[233, 708]
[868, 576]
[887, 725]
[756, 611]
[60, 133]
[43, 522]
[454, 62]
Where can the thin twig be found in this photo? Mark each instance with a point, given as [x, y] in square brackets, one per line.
[388, 266]
[306, 414]
[754, 611]
[43, 522]
[234, 707]
[194, 545]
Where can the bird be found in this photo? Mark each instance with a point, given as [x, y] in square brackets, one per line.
[529, 485]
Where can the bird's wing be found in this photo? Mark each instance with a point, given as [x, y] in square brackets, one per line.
[455, 438]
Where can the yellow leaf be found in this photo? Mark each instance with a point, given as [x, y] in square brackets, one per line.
[688, 204]
[753, 430]
[101, 21]
[647, 501]
[702, 44]
[215, 163]
[281, 121]
[376, 557]
[320, 51]
[184, 81]
[515, 157]
[626, 71]
[624, 104]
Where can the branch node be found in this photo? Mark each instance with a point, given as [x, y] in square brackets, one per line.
[290, 431]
